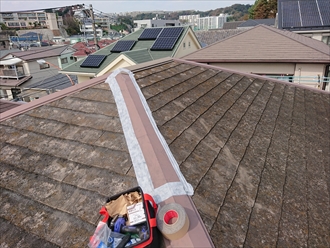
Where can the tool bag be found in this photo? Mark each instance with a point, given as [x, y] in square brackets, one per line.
[153, 237]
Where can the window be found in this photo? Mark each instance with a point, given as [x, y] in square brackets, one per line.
[43, 66]
[184, 45]
[64, 60]
[326, 40]
[189, 44]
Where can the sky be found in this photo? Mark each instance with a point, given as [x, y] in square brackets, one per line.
[117, 6]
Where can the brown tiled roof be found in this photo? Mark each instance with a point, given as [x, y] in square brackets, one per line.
[264, 44]
[40, 52]
[255, 150]
[59, 163]
[6, 105]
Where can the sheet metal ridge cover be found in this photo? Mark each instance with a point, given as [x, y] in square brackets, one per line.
[93, 61]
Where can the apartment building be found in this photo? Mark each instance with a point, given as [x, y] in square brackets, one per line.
[204, 23]
[31, 19]
[189, 19]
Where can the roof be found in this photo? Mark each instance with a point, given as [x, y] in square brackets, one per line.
[264, 44]
[231, 25]
[7, 105]
[11, 61]
[209, 37]
[57, 82]
[141, 46]
[255, 150]
[13, 82]
[40, 52]
[256, 22]
[300, 15]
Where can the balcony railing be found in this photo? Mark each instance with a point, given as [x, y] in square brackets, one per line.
[313, 81]
[12, 73]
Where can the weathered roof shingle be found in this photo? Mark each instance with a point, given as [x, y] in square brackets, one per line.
[255, 150]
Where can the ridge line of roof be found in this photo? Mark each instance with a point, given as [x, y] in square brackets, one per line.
[248, 75]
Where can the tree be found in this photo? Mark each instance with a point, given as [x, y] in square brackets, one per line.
[263, 9]
[72, 25]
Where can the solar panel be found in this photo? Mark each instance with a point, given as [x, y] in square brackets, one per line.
[93, 61]
[290, 14]
[171, 32]
[324, 7]
[123, 45]
[150, 34]
[310, 15]
[164, 43]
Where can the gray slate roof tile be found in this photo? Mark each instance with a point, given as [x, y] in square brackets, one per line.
[243, 143]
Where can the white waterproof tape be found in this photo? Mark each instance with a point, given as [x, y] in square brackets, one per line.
[182, 187]
[172, 221]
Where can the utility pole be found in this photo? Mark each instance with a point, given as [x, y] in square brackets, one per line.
[93, 26]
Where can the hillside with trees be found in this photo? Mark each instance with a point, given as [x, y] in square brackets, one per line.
[238, 12]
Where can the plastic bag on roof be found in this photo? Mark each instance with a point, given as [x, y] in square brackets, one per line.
[100, 236]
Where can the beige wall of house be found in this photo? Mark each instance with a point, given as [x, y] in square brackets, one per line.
[188, 45]
[82, 78]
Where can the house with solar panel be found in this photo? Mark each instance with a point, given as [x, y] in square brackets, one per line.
[271, 52]
[141, 46]
[310, 18]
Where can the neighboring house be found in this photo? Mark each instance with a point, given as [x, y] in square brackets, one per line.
[83, 49]
[46, 86]
[155, 43]
[255, 152]
[306, 17]
[22, 67]
[272, 52]
[143, 24]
